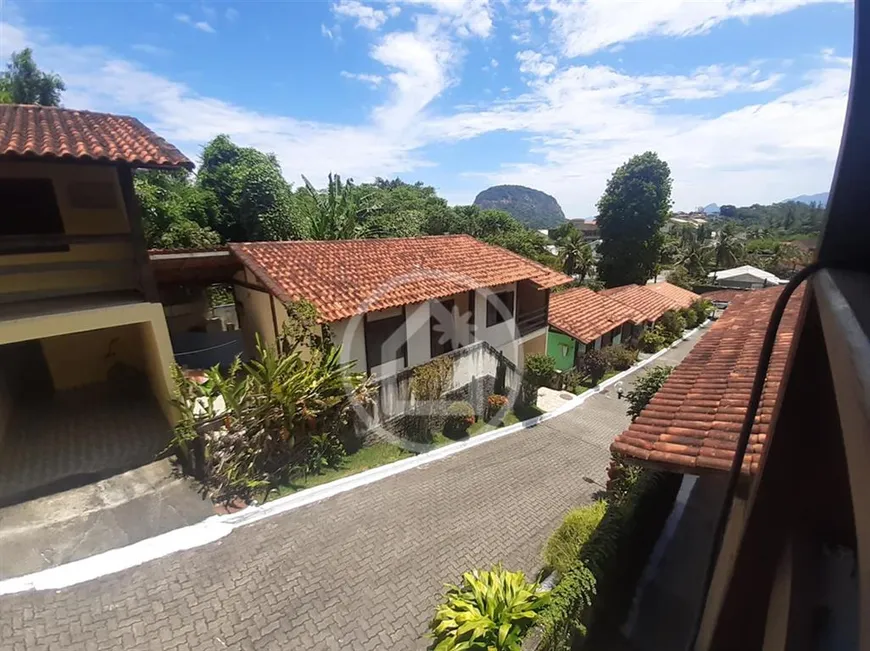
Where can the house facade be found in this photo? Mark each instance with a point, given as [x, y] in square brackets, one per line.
[80, 322]
[393, 304]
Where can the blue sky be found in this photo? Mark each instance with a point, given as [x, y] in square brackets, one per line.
[744, 98]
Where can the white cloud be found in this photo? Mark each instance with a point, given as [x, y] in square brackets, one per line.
[467, 17]
[493, 63]
[586, 26]
[536, 64]
[328, 32]
[231, 14]
[366, 17]
[201, 25]
[371, 80]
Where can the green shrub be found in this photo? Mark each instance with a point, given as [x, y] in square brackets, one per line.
[651, 340]
[324, 451]
[690, 317]
[594, 365]
[702, 309]
[564, 544]
[621, 477]
[540, 370]
[460, 416]
[490, 610]
[572, 379]
[495, 404]
[428, 384]
[672, 325]
[645, 387]
[619, 357]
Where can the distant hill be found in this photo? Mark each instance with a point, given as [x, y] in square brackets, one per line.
[712, 209]
[532, 207]
[821, 198]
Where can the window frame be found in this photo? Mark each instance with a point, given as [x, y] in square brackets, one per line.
[434, 347]
[494, 314]
[372, 327]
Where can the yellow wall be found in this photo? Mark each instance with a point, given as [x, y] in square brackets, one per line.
[76, 344]
[76, 222]
[256, 316]
[536, 346]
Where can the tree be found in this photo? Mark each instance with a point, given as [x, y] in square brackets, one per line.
[254, 201]
[645, 387]
[631, 213]
[338, 213]
[728, 210]
[24, 83]
[728, 248]
[402, 209]
[575, 254]
[176, 213]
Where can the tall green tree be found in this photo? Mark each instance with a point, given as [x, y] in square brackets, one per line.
[176, 213]
[631, 213]
[254, 201]
[337, 213]
[24, 83]
[575, 254]
[728, 247]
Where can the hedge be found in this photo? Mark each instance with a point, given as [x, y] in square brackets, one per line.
[596, 592]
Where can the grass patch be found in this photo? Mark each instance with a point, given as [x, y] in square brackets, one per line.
[380, 454]
[365, 458]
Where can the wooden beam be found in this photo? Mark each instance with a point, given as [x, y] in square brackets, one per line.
[49, 267]
[137, 235]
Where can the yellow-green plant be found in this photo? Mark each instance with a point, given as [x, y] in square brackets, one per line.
[491, 611]
[564, 545]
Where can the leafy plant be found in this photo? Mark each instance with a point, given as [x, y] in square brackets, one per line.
[690, 317]
[563, 546]
[572, 379]
[620, 357]
[490, 611]
[702, 309]
[460, 416]
[651, 340]
[540, 370]
[324, 451]
[645, 387]
[428, 383]
[594, 365]
[621, 477]
[672, 325]
[495, 404]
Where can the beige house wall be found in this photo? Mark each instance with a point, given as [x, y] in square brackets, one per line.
[81, 345]
[76, 221]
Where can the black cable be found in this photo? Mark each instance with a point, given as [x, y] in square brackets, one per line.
[746, 432]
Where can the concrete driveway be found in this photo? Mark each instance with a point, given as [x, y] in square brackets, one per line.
[361, 570]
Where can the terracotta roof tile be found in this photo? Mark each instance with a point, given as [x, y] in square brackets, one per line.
[585, 315]
[649, 303]
[701, 406]
[681, 298]
[54, 133]
[344, 278]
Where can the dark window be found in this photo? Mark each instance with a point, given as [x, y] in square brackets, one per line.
[442, 328]
[28, 207]
[499, 308]
[381, 346]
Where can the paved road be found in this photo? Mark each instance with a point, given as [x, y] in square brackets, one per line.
[362, 570]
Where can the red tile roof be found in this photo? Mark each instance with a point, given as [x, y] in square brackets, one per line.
[344, 278]
[724, 295]
[691, 425]
[53, 133]
[585, 315]
[641, 299]
[681, 298]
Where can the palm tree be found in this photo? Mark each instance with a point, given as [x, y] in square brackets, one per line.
[728, 249]
[337, 214]
[695, 256]
[576, 255]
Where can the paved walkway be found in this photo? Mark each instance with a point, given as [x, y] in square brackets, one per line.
[361, 570]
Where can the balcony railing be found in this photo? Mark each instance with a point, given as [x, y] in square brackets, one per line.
[532, 320]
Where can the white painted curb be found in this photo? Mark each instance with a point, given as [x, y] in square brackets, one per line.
[216, 527]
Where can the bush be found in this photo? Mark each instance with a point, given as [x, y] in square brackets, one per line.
[651, 340]
[540, 371]
[672, 325]
[702, 309]
[490, 610]
[324, 451]
[460, 416]
[572, 379]
[619, 357]
[428, 384]
[494, 404]
[621, 476]
[598, 588]
[645, 387]
[690, 317]
[564, 544]
[594, 365]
